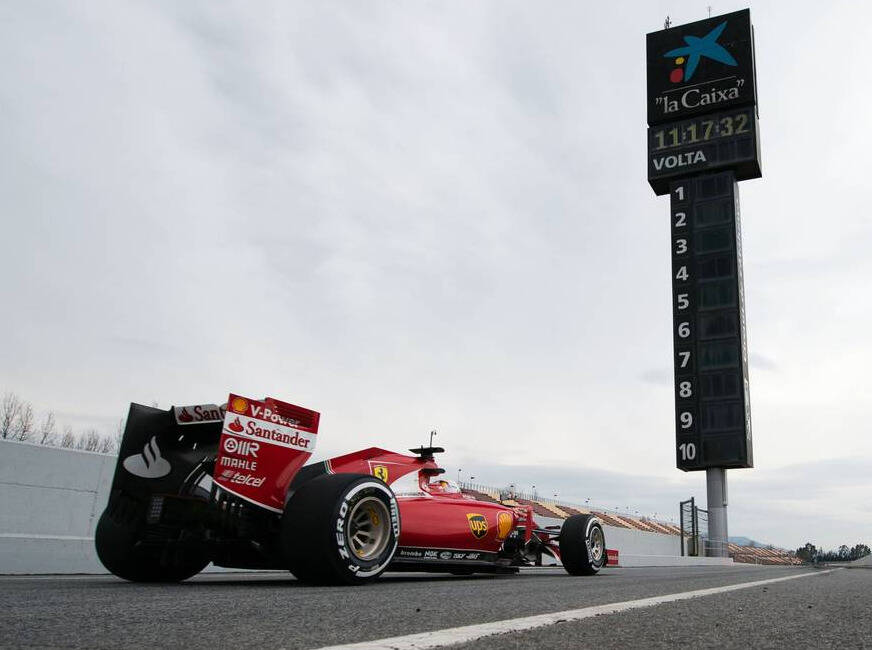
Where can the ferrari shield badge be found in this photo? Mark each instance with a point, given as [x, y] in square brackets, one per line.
[380, 471]
[477, 524]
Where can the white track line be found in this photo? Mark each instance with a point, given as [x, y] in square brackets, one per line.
[438, 638]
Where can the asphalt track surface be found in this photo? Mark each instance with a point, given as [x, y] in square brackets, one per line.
[272, 610]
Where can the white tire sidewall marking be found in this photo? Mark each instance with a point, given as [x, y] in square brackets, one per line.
[341, 541]
[587, 531]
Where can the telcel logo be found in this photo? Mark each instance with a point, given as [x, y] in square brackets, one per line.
[247, 479]
[241, 447]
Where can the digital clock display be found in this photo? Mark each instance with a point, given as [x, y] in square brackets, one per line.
[709, 143]
[703, 129]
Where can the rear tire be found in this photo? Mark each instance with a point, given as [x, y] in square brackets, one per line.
[116, 541]
[582, 545]
[340, 529]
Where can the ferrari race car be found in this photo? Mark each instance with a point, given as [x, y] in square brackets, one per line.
[229, 485]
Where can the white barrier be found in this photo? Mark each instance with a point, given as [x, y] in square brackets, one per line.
[640, 542]
[50, 501]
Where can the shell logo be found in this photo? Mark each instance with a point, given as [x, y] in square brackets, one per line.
[239, 405]
[504, 525]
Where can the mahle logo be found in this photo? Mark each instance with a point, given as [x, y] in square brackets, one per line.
[696, 48]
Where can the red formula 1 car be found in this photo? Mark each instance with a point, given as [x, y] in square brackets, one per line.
[228, 485]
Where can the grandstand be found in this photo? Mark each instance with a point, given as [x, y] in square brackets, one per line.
[553, 509]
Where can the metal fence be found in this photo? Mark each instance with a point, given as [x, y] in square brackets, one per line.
[694, 529]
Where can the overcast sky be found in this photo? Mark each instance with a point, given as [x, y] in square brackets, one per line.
[433, 215]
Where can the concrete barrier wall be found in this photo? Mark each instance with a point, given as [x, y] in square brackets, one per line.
[51, 499]
[640, 542]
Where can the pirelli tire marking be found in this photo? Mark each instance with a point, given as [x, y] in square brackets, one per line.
[591, 551]
[366, 569]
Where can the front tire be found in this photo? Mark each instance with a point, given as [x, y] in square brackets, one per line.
[340, 529]
[582, 545]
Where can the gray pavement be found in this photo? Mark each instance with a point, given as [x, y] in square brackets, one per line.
[273, 610]
[829, 611]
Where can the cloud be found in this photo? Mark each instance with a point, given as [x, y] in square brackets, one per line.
[660, 376]
[762, 362]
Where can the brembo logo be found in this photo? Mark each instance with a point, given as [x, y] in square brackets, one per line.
[148, 464]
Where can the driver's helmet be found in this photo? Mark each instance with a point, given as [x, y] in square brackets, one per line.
[444, 486]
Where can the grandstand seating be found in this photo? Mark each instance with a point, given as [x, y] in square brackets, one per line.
[610, 520]
[480, 495]
[746, 554]
[554, 509]
[538, 508]
[658, 527]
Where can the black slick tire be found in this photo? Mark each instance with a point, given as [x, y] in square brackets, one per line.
[117, 538]
[340, 529]
[582, 545]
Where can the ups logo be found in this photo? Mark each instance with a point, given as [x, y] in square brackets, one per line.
[477, 524]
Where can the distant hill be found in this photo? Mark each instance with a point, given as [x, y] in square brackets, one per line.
[747, 541]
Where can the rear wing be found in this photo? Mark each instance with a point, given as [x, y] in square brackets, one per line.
[159, 448]
[256, 446]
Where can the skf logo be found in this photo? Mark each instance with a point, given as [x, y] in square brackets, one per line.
[504, 525]
[380, 471]
[477, 524]
[239, 405]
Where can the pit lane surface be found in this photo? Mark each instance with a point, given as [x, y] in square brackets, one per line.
[273, 610]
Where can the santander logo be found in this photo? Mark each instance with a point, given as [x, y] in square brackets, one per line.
[235, 426]
[198, 414]
[148, 464]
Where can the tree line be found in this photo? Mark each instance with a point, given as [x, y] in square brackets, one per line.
[810, 553]
[19, 421]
